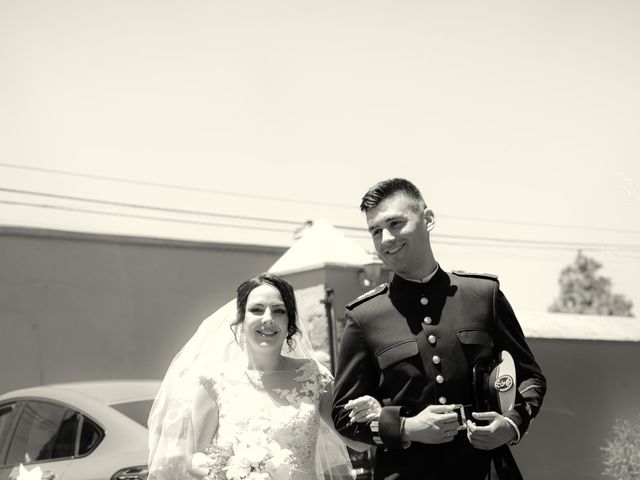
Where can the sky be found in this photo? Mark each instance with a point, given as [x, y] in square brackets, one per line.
[518, 120]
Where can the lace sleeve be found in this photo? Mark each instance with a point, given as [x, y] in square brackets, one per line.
[205, 413]
[209, 384]
[205, 409]
[324, 377]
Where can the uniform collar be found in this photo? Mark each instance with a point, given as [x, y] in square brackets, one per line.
[436, 279]
[425, 279]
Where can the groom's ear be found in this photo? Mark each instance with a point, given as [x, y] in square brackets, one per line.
[429, 218]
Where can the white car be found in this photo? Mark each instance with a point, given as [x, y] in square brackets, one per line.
[77, 431]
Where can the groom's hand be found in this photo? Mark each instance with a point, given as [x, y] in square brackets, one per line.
[498, 432]
[435, 424]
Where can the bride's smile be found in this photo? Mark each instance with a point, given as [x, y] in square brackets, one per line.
[266, 334]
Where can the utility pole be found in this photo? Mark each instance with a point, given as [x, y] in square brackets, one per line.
[333, 341]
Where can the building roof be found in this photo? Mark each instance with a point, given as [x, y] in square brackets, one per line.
[579, 327]
[320, 245]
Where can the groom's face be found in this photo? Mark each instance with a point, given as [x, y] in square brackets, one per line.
[399, 227]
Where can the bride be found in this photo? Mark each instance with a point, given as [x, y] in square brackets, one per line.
[244, 398]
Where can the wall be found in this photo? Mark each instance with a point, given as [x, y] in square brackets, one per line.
[78, 306]
[590, 384]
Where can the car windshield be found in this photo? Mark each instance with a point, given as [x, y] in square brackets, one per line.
[137, 411]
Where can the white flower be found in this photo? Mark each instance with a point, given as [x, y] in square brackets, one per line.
[278, 465]
[257, 457]
[256, 454]
[282, 456]
[258, 476]
[34, 474]
[283, 472]
[237, 469]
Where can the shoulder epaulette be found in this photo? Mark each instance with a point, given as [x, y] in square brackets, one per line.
[368, 295]
[462, 273]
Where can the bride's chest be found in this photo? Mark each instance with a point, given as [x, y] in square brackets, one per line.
[286, 407]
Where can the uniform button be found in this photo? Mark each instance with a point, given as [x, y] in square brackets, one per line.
[424, 300]
[440, 379]
[442, 400]
[427, 320]
[436, 359]
[432, 339]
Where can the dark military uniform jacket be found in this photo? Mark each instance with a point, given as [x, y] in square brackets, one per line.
[411, 345]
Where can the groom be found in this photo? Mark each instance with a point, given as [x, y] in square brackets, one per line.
[413, 344]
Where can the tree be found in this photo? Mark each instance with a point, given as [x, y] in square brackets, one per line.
[622, 453]
[582, 291]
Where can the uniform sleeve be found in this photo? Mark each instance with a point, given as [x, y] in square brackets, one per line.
[532, 385]
[355, 377]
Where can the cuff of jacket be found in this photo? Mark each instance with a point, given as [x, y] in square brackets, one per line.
[515, 427]
[389, 427]
[519, 418]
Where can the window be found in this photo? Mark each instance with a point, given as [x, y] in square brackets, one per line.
[45, 431]
[6, 412]
[137, 411]
[90, 436]
[6, 417]
[65, 440]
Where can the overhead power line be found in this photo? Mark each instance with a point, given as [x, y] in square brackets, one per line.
[148, 207]
[545, 224]
[542, 243]
[459, 239]
[303, 201]
[172, 186]
[143, 217]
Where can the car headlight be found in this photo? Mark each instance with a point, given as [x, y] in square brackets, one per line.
[141, 472]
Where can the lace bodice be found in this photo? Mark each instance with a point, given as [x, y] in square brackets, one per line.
[284, 405]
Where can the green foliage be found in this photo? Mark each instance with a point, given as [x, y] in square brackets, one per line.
[582, 291]
[622, 452]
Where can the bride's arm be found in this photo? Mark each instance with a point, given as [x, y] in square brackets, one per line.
[204, 426]
[326, 403]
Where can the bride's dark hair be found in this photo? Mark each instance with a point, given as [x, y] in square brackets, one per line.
[288, 298]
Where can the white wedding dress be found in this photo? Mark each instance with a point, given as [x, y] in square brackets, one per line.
[285, 404]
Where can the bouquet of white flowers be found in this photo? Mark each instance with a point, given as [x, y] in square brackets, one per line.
[33, 474]
[257, 457]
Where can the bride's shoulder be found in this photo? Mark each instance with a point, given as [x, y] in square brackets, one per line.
[312, 370]
[295, 364]
[220, 377]
[208, 384]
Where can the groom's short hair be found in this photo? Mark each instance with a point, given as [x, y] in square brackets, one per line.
[386, 188]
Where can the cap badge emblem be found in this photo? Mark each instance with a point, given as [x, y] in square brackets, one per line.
[504, 383]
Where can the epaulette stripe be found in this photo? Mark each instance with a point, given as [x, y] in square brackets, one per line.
[462, 273]
[367, 295]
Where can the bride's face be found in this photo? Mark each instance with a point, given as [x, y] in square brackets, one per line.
[265, 318]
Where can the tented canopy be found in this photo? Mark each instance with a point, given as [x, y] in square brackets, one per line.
[320, 245]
